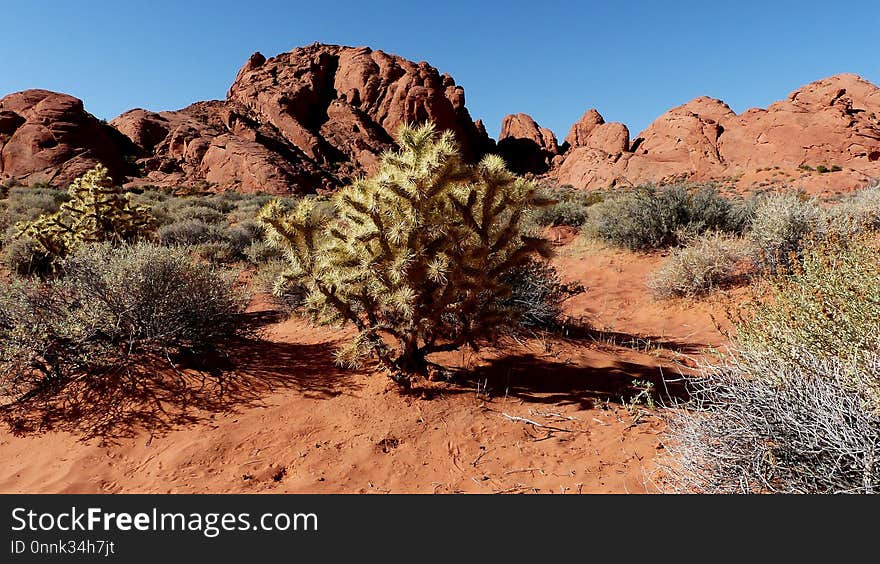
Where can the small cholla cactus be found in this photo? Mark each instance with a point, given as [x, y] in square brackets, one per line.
[97, 212]
[415, 257]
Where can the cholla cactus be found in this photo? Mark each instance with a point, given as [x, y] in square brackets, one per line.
[96, 212]
[414, 256]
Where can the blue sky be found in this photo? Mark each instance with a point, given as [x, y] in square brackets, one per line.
[631, 60]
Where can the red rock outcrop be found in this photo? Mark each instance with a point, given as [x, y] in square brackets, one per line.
[309, 119]
[306, 120]
[526, 146]
[210, 142]
[48, 137]
[832, 123]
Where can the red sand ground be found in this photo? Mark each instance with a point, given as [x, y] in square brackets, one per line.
[288, 420]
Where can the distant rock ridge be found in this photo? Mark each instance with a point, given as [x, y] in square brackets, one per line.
[829, 125]
[318, 116]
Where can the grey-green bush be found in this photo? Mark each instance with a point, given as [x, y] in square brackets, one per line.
[187, 233]
[150, 294]
[794, 406]
[650, 217]
[710, 261]
[538, 294]
[856, 213]
[111, 306]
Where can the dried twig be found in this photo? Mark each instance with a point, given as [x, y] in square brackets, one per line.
[541, 470]
[535, 423]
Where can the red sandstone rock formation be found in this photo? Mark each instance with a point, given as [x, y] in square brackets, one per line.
[525, 146]
[309, 119]
[49, 137]
[834, 122]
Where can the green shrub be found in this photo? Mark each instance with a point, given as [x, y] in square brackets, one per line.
[570, 206]
[709, 262]
[649, 217]
[827, 306]
[562, 213]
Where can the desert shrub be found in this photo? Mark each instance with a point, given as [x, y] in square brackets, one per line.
[827, 307]
[537, 295]
[742, 214]
[285, 294]
[794, 406]
[858, 212]
[417, 253]
[562, 213]
[649, 217]
[223, 202]
[199, 212]
[708, 262]
[570, 206]
[97, 211]
[38, 347]
[219, 251]
[149, 295]
[112, 306]
[217, 242]
[782, 225]
[260, 252]
[707, 210]
[24, 257]
[807, 432]
[187, 233]
[243, 234]
[26, 204]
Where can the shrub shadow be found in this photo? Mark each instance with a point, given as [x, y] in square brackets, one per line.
[159, 394]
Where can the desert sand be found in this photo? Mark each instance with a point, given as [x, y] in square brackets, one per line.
[285, 419]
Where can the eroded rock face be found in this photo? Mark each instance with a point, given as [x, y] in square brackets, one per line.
[526, 146]
[48, 137]
[831, 123]
[311, 119]
[210, 142]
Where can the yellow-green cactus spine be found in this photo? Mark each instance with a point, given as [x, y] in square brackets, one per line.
[415, 255]
[98, 211]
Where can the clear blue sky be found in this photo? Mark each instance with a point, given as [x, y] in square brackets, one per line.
[632, 60]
